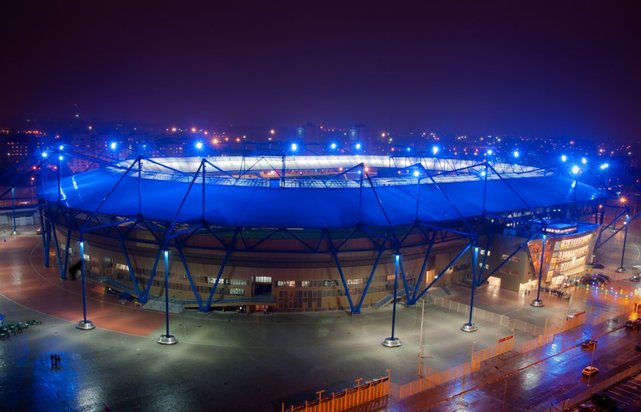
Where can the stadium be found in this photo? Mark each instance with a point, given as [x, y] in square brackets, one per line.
[313, 233]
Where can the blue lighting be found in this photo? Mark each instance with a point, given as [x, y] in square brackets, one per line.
[575, 170]
[113, 145]
[294, 147]
[333, 146]
[584, 161]
[435, 150]
[199, 145]
[516, 154]
[44, 154]
[60, 157]
[358, 146]
[61, 147]
[416, 173]
[482, 173]
[604, 166]
[564, 158]
[490, 152]
[409, 149]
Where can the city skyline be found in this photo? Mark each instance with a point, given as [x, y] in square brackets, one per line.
[543, 69]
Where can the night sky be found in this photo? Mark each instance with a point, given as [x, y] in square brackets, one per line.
[535, 68]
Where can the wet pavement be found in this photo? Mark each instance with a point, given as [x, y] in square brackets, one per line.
[224, 361]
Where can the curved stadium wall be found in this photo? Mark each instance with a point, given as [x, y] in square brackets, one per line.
[293, 233]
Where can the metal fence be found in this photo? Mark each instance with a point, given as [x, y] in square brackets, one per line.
[347, 398]
[479, 314]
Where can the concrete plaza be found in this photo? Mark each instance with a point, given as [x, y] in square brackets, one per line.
[224, 360]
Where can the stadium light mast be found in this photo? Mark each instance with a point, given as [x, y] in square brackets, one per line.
[393, 341]
[84, 324]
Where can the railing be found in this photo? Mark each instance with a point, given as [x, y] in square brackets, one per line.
[479, 314]
[347, 398]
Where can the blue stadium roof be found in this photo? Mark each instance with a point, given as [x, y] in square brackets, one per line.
[380, 202]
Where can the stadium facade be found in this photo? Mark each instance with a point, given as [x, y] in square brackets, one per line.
[311, 233]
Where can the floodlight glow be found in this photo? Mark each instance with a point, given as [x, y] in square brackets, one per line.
[294, 147]
[333, 146]
[408, 149]
[575, 170]
[113, 145]
[604, 166]
[358, 146]
[490, 152]
[482, 173]
[584, 160]
[60, 157]
[44, 154]
[564, 158]
[516, 153]
[435, 150]
[61, 147]
[416, 173]
[199, 145]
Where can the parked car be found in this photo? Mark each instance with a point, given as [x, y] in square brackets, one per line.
[590, 370]
[589, 344]
[605, 278]
[604, 401]
[635, 278]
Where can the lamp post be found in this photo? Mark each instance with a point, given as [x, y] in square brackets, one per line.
[84, 324]
[538, 302]
[167, 339]
[392, 341]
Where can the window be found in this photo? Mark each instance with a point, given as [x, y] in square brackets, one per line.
[237, 291]
[120, 266]
[354, 281]
[286, 283]
[305, 283]
[263, 279]
[237, 282]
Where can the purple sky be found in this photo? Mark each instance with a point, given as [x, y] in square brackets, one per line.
[557, 68]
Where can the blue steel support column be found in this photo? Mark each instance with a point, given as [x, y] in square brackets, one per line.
[84, 324]
[470, 326]
[538, 302]
[625, 239]
[167, 339]
[392, 341]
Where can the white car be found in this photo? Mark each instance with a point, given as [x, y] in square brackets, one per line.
[590, 370]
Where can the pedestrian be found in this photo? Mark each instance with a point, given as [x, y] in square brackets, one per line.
[58, 359]
[51, 359]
